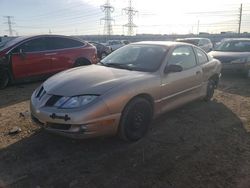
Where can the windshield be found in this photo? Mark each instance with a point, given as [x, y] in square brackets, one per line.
[2, 44]
[146, 58]
[10, 42]
[234, 46]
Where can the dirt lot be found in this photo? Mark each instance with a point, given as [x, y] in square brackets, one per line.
[200, 145]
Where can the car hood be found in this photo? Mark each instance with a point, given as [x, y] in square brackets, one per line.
[92, 79]
[227, 57]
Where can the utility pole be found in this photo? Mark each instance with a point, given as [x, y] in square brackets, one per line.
[107, 9]
[130, 11]
[9, 22]
[198, 27]
[240, 16]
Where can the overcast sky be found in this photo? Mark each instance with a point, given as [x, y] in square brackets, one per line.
[81, 17]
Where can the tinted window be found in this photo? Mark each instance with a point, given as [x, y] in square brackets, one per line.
[190, 41]
[183, 56]
[61, 43]
[234, 46]
[34, 45]
[202, 57]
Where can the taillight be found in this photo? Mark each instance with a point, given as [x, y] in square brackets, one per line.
[94, 58]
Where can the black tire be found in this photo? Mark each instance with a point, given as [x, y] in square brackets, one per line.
[211, 85]
[81, 62]
[135, 119]
[4, 79]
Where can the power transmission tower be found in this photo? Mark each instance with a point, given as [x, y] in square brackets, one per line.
[9, 22]
[240, 16]
[107, 9]
[130, 11]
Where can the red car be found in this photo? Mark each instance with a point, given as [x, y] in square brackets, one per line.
[28, 58]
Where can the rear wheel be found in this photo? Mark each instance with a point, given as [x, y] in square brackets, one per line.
[4, 79]
[135, 120]
[211, 85]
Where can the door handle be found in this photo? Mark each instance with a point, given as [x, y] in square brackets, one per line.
[48, 54]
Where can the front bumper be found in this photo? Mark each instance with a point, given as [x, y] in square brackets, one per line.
[91, 122]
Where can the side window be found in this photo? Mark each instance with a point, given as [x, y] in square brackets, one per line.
[34, 45]
[183, 56]
[55, 43]
[202, 57]
[205, 41]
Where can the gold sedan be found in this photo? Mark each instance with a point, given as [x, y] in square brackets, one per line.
[125, 91]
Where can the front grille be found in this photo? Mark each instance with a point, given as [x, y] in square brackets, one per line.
[40, 93]
[52, 100]
[59, 126]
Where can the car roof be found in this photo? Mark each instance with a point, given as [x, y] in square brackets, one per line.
[236, 39]
[163, 43]
[193, 38]
[21, 38]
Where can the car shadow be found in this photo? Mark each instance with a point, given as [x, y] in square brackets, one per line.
[235, 83]
[17, 93]
[199, 145]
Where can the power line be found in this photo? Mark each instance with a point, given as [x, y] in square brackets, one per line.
[107, 9]
[130, 11]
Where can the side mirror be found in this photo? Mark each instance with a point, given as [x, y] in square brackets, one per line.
[173, 68]
[21, 53]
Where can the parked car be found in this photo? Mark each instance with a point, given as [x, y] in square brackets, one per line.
[234, 55]
[26, 58]
[102, 50]
[203, 43]
[122, 93]
[115, 44]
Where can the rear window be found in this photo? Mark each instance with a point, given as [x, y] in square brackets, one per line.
[190, 41]
[234, 46]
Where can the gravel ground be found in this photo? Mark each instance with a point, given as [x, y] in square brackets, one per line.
[199, 145]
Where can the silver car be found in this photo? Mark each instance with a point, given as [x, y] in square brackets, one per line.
[203, 43]
[125, 91]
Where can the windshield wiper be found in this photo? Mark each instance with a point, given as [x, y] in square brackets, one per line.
[117, 65]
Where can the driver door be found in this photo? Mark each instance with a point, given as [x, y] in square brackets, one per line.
[178, 88]
[31, 59]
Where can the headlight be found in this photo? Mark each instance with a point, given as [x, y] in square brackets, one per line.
[74, 102]
[240, 60]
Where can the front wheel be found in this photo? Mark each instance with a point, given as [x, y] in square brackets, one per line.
[135, 119]
[4, 79]
[211, 85]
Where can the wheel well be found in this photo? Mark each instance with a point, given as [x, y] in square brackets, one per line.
[82, 61]
[146, 96]
[215, 78]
